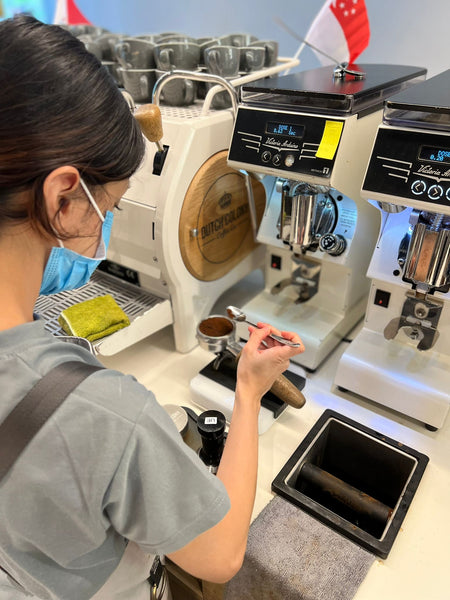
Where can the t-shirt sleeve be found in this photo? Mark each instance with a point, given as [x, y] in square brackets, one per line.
[162, 496]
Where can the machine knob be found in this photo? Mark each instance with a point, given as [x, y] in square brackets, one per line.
[289, 160]
[149, 118]
[418, 187]
[211, 427]
[447, 194]
[332, 244]
[435, 192]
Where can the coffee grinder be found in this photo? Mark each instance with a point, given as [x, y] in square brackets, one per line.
[310, 134]
[401, 357]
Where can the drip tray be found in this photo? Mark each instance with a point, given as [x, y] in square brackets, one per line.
[354, 479]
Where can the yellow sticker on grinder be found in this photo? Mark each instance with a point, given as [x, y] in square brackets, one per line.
[330, 139]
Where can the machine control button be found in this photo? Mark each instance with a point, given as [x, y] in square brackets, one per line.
[289, 160]
[447, 194]
[266, 156]
[382, 298]
[275, 262]
[418, 187]
[435, 192]
[276, 160]
[332, 244]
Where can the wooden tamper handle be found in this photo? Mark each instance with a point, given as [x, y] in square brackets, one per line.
[285, 390]
[149, 118]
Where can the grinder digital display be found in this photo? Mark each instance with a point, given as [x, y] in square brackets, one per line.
[288, 129]
[439, 155]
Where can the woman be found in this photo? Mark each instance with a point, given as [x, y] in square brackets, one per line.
[107, 481]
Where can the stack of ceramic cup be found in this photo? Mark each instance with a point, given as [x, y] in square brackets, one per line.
[137, 62]
[135, 56]
[177, 52]
[101, 43]
[237, 54]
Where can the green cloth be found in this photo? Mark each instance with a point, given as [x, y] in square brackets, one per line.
[93, 319]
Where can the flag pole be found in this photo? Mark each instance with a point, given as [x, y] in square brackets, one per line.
[341, 68]
[303, 43]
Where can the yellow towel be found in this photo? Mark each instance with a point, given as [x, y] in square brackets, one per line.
[93, 319]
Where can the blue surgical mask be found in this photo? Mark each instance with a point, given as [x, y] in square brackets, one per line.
[66, 270]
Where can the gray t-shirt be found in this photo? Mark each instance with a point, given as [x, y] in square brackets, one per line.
[107, 467]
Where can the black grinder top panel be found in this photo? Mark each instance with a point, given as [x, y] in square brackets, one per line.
[317, 90]
[426, 105]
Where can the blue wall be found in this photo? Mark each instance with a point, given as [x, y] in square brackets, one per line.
[41, 9]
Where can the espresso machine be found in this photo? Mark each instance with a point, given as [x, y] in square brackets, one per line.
[187, 229]
[401, 357]
[310, 134]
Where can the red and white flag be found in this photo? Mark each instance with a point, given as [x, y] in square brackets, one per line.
[68, 13]
[341, 30]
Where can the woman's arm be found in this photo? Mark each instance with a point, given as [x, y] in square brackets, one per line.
[217, 554]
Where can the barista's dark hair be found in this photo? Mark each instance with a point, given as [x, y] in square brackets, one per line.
[58, 106]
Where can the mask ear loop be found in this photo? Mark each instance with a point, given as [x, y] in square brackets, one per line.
[91, 200]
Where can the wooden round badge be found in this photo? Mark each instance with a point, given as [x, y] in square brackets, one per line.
[215, 231]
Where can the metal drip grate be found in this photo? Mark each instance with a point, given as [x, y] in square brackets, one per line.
[132, 300]
[193, 111]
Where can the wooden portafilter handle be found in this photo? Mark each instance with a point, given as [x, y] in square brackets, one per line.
[286, 391]
[149, 118]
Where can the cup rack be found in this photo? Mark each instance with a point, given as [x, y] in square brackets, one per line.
[283, 64]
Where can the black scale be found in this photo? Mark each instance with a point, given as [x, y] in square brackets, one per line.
[225, 375]
[281, 120]
[411, 155]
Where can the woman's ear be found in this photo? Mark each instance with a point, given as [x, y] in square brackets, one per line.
[58, 186]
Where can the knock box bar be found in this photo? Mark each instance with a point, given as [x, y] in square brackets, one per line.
[345, 493]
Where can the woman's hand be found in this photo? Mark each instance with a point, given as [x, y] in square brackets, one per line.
[262, 360]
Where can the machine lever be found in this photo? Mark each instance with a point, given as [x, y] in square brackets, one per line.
[149, 118]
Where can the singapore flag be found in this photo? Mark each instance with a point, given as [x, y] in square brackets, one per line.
[68, 13]
[341, 30]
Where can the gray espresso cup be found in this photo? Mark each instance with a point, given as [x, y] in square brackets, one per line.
[177, 55]
[223, 60]
[271, 47]
[177, 92]
[252, 58]
[241, 39]
[135, 53]
[139, 83]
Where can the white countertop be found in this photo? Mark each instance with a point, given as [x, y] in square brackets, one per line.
[419, 561]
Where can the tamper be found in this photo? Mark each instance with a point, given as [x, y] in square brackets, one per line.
[211, 427]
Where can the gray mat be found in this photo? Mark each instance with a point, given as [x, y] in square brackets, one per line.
[292, 556]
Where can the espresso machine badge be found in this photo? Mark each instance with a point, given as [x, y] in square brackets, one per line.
[222, 222]
[215, 228]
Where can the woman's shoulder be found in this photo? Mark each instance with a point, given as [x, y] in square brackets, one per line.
[29, 352]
